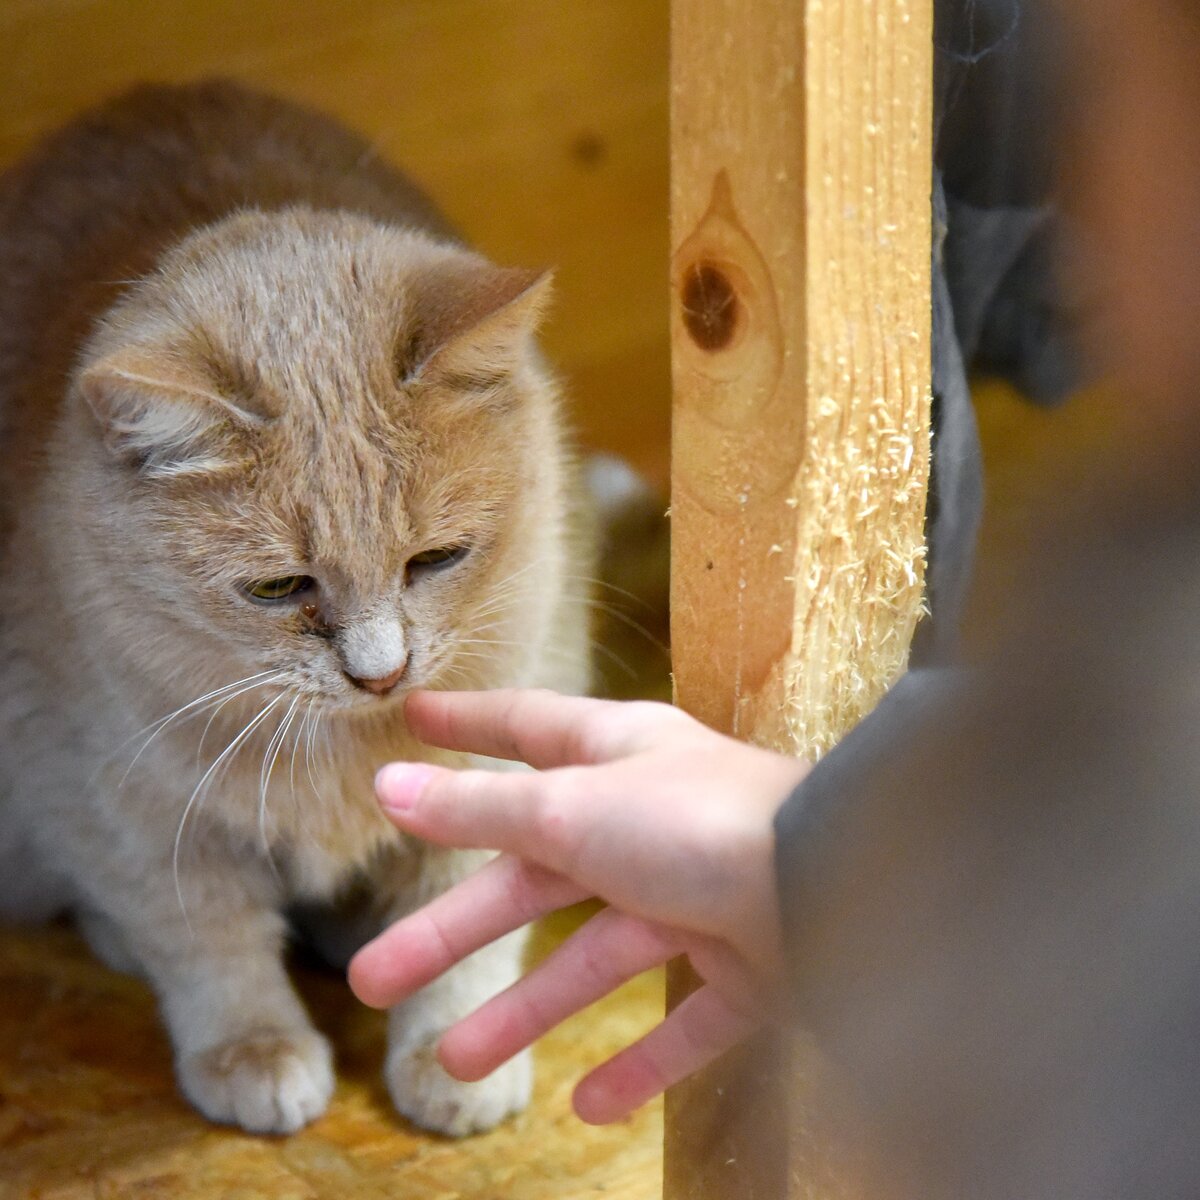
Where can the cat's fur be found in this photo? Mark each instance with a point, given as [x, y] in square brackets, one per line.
[235, 347]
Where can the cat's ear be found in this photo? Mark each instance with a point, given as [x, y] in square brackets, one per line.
[476, 325]
[165, 416]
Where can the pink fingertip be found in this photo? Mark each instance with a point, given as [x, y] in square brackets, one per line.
[364, 986]
[460, 1054]
[399, 785]
[594, 1104]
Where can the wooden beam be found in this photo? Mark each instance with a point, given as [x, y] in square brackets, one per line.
[801, 166]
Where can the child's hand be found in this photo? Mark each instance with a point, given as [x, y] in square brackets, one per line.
[636, 803]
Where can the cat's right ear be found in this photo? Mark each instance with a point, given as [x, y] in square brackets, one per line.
[164, 418]
[476, 321]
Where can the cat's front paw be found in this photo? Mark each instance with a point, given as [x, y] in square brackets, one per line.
[269, 1081]
[424, 1094]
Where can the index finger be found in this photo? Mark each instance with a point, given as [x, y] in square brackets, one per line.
[541, 728]
[500, 897]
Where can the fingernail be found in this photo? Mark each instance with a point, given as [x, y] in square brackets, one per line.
[399, 785]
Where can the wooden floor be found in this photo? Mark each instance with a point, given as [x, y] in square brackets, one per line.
[88, 1108]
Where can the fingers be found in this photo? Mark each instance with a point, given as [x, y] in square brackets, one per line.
[696, 1033]
[500, 897]
[469, 810]
[541, 816]
[541, 728]
[608, 951]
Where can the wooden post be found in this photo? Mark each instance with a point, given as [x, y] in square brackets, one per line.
[800, 202]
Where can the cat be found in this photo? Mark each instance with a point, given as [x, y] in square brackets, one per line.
[275, 447]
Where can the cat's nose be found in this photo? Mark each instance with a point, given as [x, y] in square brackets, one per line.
[381, 686]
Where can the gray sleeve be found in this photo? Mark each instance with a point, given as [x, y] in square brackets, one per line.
[991, 894]
[840, 789]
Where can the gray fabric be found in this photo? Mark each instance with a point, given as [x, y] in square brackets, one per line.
[956, 477]
[991, 888]
[997, 303]
[995, 100]
[991, 892]
[1012, 314]
[813, 815]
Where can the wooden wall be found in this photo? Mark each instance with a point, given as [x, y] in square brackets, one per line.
[539, 126]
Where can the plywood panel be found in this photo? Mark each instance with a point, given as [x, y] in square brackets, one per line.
[539, 127]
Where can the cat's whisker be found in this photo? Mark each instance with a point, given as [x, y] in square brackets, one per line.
[329, 750]
[270, 758]
[591, 581]
[302, 810]
[503, 644]
[502, 593]
[229, 750]
[613, 657]
[455, 673]
[160, 724]
[268, 762]
[617, 615]
[499, 602]
[308, 752]
[563, 654]
[216, 712]
[295, 748]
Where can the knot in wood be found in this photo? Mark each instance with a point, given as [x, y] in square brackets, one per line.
[711, 309]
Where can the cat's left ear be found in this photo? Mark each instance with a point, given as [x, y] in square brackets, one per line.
[482, 323]
[165, 416]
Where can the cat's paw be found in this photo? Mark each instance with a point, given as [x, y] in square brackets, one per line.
[269, 1081]
[424, 1094]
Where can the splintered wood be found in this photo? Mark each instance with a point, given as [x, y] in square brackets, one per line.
[800, 205]
[860, 495]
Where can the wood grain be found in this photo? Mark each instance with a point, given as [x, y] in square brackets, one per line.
[800, 157]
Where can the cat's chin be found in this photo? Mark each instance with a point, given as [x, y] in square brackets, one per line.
[356, 704]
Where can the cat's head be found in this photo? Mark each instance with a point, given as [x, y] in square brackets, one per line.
[327, 452]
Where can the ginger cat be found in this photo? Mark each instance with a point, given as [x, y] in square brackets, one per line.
[274, 448]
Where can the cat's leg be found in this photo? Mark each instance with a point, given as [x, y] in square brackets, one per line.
[245, 1050]
[30, 890]
[103, 935]
[421, 1090]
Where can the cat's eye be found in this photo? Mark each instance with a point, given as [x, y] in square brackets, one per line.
[268, 591]
[437, 559]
